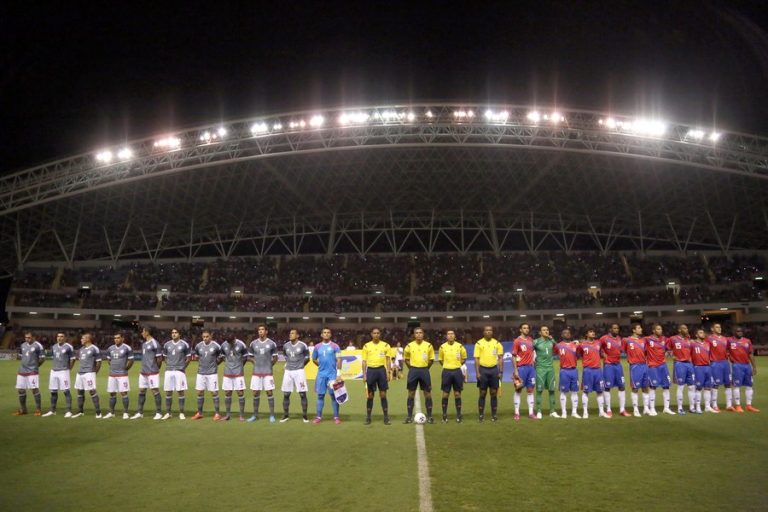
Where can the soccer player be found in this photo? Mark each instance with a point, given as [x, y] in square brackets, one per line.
[544, 346]
[32, 356]
[569, 375]
[740, 352]
[149, 374]
[634, 346]
[393, 361]
[120, 357]
[262, 352]
[209, 355]
[294, 378]
[235, 355]
[489, 367]
[658, 373]
[419, 356]
[452, 355]
[325, 356]
[377, 373]
[682, 369]
[613, 371]
[399, 360]
[702, 372]
[721, 368]
[591, 373]
[85, 380]
[177, 354]
[63, 361]
[522, 368]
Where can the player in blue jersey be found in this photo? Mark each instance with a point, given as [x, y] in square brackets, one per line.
[325, 356]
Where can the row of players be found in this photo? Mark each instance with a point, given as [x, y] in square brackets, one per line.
[702, 363]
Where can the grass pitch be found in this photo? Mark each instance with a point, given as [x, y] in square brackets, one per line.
[708, 462]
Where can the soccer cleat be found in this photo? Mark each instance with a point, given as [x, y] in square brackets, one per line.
[19, 412]
[681, 412]
[575, 414]
[709, 409]
[738, 409]
[481, 418]
[387, 421]
[366, 422]
[585, 416]
[652, 412]
[730, 409]
[407, 420]
[431, 420]
[217, 417]
[68, 414]
[126, 416]
[534, 416]
[182, 416]
[226, 417]
[604, 414]
[516, 417]
[252, 419]
[445, 419]
[636, 413]
[337, 421]
[316, 421]
[108, 416]
[625, 414]
[696, 411]
[166, 416]
[197, 416]
[137, 416]
[459, 419]
[750, 408]
[49, 413]
[494, 418]
[98, 416]
[38, 413]
[554, 414]
[76, 415]
[538, 415]
[609, 414]
[272, 418]
[646, 412]
[669, 411]
[286, 418]
[157, 416]
[305, 419]
[242, 418]
[715, 408]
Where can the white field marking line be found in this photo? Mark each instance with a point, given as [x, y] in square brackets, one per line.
[425, 487]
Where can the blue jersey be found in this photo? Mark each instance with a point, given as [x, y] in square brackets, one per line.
[325, 357]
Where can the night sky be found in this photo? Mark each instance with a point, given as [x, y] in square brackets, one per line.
[74, 79]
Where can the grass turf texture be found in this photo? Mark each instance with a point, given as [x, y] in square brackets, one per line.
[665, 463]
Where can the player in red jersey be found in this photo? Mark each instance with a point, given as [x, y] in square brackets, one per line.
[613, 371]
[634, 346]
[682, 370]
[658, 373]
[741, 355]
[702, 372]
[523, 354]
[721, 368]
[591, 373]
[569, 376]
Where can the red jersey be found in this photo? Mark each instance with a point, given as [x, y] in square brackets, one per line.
[635, 349]
[590, 353]
[568, 351]
[611, 347]
[655, 351]
[739, 350]
[522, 349]
[718, 347]
[680, 348]
[700, 353]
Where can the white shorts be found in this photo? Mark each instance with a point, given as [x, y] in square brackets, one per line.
[294, 380]
[59, 380]
[265, 382]
[86, 381]
[207, 382]
[118, 384]
[151, 381]
[27, 381]
[175, 380]
[233, 383]
[396, 364]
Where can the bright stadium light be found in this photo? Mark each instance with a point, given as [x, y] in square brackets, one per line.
[297, 124]
[316, 121]
[556, 117]
[277, 126]
[647, 127]
[124, 153]
[610, 123]
[533, 116]
[429, 114]
[496, 117]
[723, 309]
[104, 156]
[259, 128]
[695, 134]
[714, 136]
[353, 118]
[170, 143]
[523, 316]
[411, 116]
[221, 132]
[390, 115]
[463, 114]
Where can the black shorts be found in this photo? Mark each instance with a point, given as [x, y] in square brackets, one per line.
[488, 378]
[419, 377]
[452, 379]
[376, 378]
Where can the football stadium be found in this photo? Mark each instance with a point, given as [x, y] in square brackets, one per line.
[601, 276]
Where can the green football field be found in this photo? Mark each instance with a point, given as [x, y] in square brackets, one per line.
[709, 462]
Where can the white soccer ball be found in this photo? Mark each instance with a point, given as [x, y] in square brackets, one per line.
[419, 418]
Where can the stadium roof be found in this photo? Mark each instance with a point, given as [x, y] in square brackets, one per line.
[395, 178]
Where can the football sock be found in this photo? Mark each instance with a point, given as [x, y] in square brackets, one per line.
[228, 403]
[530, 403]
[736, 396]
[494, 404]
[142, 399]
[729, 397]
[96, 405]
[538, 400]
[320, 404]
[23, 401]
[445, 406]
[271, 402]
[646, 400]
[585, 401]
[38, 401]
[256, 401]
[666, 397]
[200, 402]
[551, 401]
[749, 393]
[457, 401]
[622, 399]
[54, 400]
[125, 403]
[182, 399]
[428, 404]
[517, 402]
[481, 405]
[713, 400]
[168, 400]
[409, 404]
[68, 400]
[241, 403]
[385, 406]
[303, 396]
[600, 403]
[368, 407]
[563, 402]
[286, 403]
[335, 407]
[216, 404]
[574, 400]
[707, 399]
[634, 399]
[80, 400]
[652, 399]
[158, 401]
[692, 393]
[112, 403]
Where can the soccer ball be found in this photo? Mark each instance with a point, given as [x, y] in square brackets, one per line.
[419, 418]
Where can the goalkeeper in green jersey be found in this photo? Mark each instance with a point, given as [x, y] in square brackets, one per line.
[544, 347]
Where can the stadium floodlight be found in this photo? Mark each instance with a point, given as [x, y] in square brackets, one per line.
[104, 156]
[297, 124]
[533, 116]
[411, 116]
[156, 316]
[221, 132]
[610, 123]
[389, 115]
[116, 315]
[429, 114]
[650, 127]
[714, 136]
[463, 114]
[259, 128]
[496, 117]
[758, 278]
[695, 134]
[353, 118]
[124, 153]
[556, 117]
[170, 143]
[277, 126]
[316, 121]
[671, 283]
